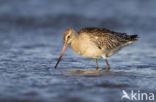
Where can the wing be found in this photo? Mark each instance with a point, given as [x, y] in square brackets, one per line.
[105, 41]
[104, 38]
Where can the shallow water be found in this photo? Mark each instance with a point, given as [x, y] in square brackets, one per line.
[31, 41]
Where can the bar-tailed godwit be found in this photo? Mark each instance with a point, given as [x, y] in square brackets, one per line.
[96, 43]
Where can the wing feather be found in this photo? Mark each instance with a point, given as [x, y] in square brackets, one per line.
[105, 38]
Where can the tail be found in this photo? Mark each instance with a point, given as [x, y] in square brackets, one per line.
[133, 37]
[130, 40]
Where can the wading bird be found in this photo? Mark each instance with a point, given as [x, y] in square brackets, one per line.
[96, 43]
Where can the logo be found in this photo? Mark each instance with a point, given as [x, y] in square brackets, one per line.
[137, 95]
[125, 95]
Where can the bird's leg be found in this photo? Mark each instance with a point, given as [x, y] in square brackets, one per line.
[97, 66]
[107, 65]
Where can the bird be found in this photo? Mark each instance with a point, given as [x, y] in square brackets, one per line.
[95, 43]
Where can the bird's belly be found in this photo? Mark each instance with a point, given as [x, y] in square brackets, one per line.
[88, 50]
[92, 53]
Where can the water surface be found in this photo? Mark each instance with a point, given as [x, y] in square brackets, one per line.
[31, 41]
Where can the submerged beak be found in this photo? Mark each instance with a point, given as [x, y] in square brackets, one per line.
[63, 50]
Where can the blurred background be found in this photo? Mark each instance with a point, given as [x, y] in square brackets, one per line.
[31, 41]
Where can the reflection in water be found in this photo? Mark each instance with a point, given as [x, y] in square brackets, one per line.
[85, 72]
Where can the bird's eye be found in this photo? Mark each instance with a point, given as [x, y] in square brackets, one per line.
[68, 37]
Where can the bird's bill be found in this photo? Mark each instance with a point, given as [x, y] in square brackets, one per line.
[63, 50]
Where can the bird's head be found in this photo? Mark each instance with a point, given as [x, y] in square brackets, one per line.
[69, 35]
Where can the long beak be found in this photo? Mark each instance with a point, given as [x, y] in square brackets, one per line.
[63, 50]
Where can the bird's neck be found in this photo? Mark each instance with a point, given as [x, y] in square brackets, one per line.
[75, 36]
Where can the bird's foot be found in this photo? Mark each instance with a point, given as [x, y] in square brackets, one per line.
[106, 69]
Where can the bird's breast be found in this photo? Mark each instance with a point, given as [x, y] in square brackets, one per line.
[86, 48]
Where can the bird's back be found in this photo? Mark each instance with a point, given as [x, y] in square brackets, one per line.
[107, 40]
[102, 35]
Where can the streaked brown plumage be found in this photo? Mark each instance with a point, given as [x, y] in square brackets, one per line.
[96, 42]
